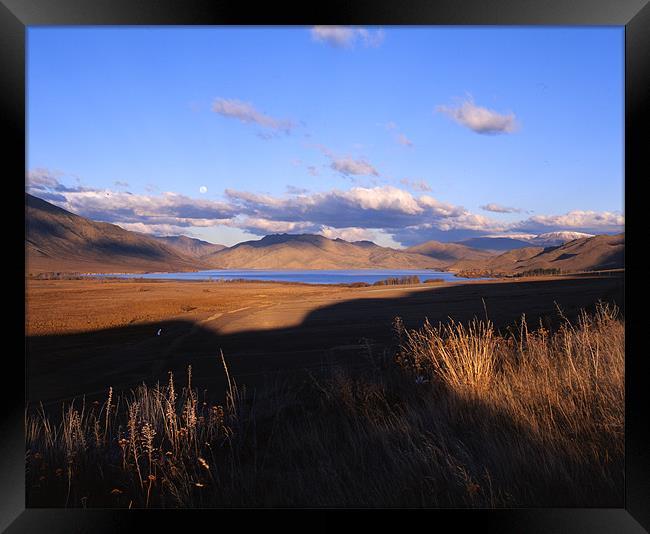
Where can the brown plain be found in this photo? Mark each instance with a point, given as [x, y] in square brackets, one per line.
[84, 335]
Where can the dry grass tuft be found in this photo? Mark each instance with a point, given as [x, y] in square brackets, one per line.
[462, 357]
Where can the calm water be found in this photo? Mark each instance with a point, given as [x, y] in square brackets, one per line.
[307, 277]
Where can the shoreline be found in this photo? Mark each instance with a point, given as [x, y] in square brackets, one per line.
[458, 277]
[255, 275]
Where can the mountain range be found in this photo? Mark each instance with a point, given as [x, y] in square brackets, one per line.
[512, 242]
[189, 246]
[599, 252]
[60, 241]
[450, 252]
[307, 251]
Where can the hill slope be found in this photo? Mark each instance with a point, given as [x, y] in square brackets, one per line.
[496, 244]
[552, 239]
[450, 252]
[306, 251]
[586, 254]
[60, 241]
[190, 246]
[503, 243]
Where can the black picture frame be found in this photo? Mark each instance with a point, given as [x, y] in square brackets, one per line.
[16, 15]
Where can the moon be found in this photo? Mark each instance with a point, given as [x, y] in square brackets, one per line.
[203, 189]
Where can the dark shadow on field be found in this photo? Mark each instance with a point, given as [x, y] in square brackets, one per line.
[72, 365]
[445, 450]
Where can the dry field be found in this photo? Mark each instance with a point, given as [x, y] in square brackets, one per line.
[56, 307]
[83, 336]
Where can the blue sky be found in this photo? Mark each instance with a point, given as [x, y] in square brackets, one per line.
[397, 134]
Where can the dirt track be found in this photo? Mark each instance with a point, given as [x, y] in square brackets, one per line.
[86, 335]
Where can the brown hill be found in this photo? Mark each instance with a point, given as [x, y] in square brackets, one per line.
[306, 251]
[450, 252]
[495, 244]
[59, 241]
[502, 262]
[190, 246]
[600, 252]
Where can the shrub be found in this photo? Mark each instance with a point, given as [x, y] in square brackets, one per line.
[401, 280]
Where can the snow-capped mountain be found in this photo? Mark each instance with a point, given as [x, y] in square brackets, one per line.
[551, 239]
[503, 242]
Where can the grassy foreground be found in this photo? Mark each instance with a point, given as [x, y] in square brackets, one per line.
[453, 415]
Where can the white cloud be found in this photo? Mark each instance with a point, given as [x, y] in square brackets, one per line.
[371, 38]
[42, 179]
[156, 229]
[592, 222]
[121, 207]
[383, 207]
[348, 234]
[387, 197]
[346, 165]
[47, 180]
[355, 213]
[416, 185]
[404, 141]
[400, 137]
[346, 36]
[261, 226]
[441, 209]
[246, 113]
[480, 120]
[293, 190]
[511, 235]
[498, 208]
[349, 166]
[469, 221]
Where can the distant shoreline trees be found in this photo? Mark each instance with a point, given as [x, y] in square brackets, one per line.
[398, 280]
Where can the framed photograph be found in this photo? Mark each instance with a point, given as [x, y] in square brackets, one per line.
[355, 256]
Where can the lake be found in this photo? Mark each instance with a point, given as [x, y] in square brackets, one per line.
[343, 276]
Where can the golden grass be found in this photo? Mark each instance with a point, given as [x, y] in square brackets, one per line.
[459, 356]
[454, 415]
